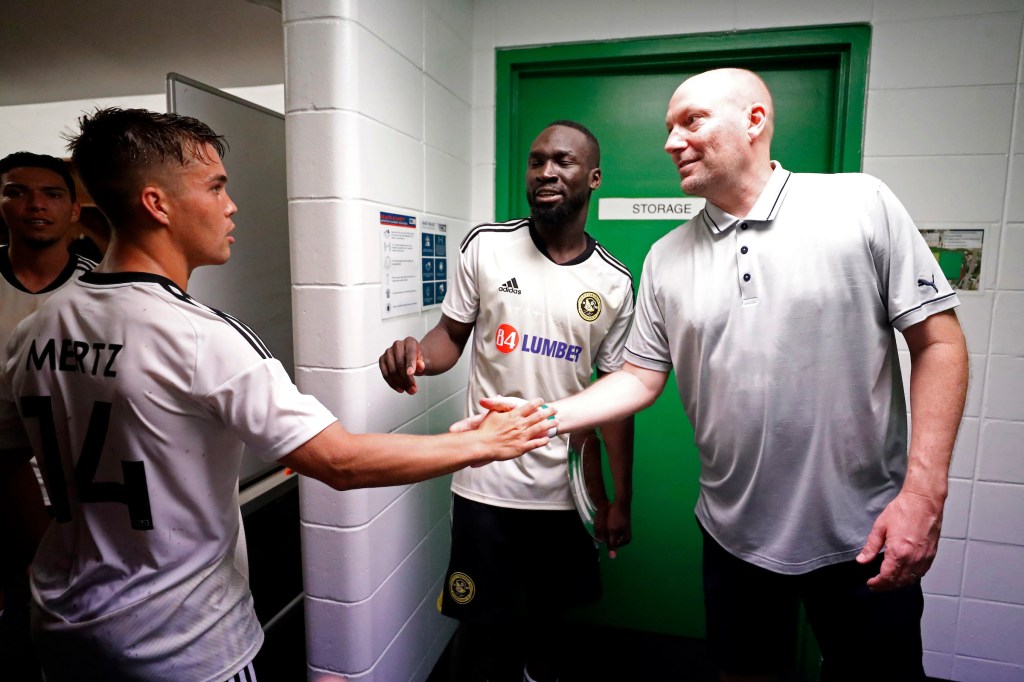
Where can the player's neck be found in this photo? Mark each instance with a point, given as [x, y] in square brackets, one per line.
[566, 240]
[37, 268]
[124, 255]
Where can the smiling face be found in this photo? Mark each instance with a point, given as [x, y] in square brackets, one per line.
[203, 210]
[561, 173]
[37, 207]
[719, 127]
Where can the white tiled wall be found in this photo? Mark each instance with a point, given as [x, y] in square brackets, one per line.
[378, 107]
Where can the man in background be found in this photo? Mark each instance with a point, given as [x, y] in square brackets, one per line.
[39, 206]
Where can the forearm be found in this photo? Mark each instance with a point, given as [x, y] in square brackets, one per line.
[618, 441]
[346, 460]
[440, 350]
[612, 397]
[938, 390]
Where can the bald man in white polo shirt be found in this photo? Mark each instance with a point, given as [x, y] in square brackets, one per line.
[777, 306]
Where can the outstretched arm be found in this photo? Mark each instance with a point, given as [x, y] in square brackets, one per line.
[436, 353]
[614, 396]
[909, 526]
[346, 460]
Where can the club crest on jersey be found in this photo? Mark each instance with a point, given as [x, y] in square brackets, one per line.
[588, 305]
[461, 588]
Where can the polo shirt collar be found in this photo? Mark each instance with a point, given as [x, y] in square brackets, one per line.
[765, 208]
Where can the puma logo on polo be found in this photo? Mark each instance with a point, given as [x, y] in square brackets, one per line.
[926, 283]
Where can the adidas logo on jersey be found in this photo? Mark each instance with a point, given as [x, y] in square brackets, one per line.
[510, 287]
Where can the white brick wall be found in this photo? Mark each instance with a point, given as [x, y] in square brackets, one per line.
[378, 105]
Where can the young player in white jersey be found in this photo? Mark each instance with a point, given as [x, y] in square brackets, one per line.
[39, 206]
[547, 305]
[137, 399]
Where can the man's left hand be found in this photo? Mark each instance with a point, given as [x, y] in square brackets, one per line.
[908, 528]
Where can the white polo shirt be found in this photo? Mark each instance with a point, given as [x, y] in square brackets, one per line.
[780, 328]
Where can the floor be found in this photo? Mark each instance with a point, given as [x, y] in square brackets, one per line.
[608, 654]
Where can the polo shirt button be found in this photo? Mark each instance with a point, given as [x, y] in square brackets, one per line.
[746, 278]
[744, 249]
[743, 226]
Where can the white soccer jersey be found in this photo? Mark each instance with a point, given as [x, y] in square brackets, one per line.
[540, 329]
[137, 400]
[17, 303]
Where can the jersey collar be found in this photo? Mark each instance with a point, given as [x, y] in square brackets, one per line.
[108, 278]
[8, 273]
[764, 210]
[539, 243]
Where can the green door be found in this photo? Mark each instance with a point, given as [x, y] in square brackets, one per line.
[620, 91]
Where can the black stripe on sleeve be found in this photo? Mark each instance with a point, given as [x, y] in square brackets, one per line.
[892, 322]
[510, 226]
[246, 332]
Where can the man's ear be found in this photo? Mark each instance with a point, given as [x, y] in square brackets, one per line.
[76, 211]
[757, 120]
[595, 179]
[155, 202]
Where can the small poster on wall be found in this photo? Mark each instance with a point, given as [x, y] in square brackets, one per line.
[434, 259]
[959, 255]
[399, 266]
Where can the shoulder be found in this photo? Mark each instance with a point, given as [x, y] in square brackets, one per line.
[616, 268]
[844, 183]
[668, 245]
[491, 232]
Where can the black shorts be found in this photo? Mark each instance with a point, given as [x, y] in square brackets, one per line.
[509, 562]
[752, 619]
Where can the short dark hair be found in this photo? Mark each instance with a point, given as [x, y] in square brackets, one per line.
[115, 149]
[576, 125]
[51, 163]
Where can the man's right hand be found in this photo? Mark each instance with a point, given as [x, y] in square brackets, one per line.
[519, 430]
[401, 363]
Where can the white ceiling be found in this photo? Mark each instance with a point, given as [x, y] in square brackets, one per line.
[53, 50]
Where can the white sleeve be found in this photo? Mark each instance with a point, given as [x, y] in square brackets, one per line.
[463, 300]
[267, 412]
[915, 285]
[647, 345]
[610, 355]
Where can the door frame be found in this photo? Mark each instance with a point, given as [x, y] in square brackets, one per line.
[847, 44]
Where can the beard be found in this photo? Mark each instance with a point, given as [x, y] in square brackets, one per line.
[558, 213]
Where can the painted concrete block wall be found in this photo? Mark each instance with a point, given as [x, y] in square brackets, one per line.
[945, 129]
[378, 112]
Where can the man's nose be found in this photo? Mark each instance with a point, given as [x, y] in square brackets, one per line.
[676, 140]
[231, 209]
[37, 200]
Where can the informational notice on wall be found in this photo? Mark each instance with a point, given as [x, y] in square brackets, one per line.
[434, 262]
[399, 266]
[678, 209]
[959, 255]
